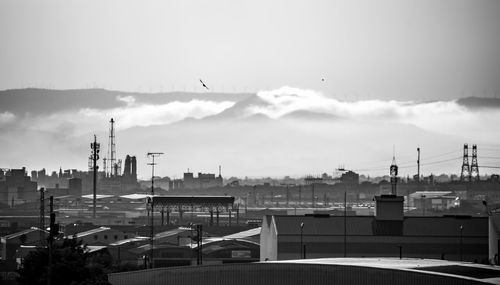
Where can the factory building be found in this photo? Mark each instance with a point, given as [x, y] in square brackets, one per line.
[387, 234]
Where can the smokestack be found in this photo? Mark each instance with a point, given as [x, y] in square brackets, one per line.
[126, 171]
[134, 167]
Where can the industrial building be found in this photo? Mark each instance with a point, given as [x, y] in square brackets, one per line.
[387, 234]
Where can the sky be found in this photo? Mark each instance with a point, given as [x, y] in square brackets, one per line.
[351, 50]
[333, 83]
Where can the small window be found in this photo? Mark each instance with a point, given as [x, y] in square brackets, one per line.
[125, 237]
[116, 237]
[105, 236]
[95, 236]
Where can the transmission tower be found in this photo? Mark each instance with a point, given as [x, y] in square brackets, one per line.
[465, 174]
[474, 168]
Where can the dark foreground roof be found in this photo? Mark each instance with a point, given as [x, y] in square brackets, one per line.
[346, 271]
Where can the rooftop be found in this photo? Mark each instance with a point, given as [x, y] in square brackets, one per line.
[471, 271]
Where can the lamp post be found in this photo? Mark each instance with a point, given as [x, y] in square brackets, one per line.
[152, 155]
[460, 249]
[422, 199]
[302, 253]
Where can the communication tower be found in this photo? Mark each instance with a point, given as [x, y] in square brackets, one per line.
[394, 175]
[115, 165]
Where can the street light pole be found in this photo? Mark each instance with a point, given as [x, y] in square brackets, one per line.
[461, 229]
[345, 224]
[301, 243]
[151, 244]
[422, 198]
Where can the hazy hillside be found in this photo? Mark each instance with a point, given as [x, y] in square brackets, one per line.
[44, 101]
[287, 131]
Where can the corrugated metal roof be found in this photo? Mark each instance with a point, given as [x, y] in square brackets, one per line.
[129, 240]
[23, 232]
[244, 234]
[94, 248]
[91, 232]
[171, 233]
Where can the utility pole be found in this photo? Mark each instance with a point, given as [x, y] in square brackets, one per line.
[95, 156]
[54, 231]
[42, 216]
[199, 241]
[312, 198]
[152, 155]
[345, 224]
[418, 166]
[302, 252]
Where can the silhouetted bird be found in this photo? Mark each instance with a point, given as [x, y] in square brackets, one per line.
[204, 84]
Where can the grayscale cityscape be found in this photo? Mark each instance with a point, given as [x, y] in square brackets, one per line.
[249, 142]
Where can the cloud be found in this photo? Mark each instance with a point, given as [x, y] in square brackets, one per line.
[148, 115]
[129, 100]
[440, 116]
[89, 120]
[6, 118]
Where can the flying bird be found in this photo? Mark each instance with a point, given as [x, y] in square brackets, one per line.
[204, 84]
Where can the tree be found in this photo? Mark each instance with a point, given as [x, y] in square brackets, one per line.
[71, 264]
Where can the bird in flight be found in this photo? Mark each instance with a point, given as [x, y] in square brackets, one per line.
[204, 84]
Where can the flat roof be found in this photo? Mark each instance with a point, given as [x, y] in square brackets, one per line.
[99, 196]
[194, 200]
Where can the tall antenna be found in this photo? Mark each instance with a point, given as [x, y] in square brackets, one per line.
[112, 149]
[394, 174]
[418, 165]
[474, 168]
[95, 156]
[465, 174]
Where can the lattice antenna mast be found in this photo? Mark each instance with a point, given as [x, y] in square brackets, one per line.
[465, 174]
[112, 149]
[474, 168]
